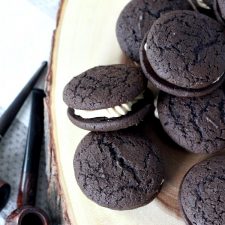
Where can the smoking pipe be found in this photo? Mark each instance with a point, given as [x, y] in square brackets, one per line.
[27, 213]
[4, 193]
[7, 118]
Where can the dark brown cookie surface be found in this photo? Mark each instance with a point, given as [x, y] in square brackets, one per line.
[180, 46]
[196, 124]
[104, 87]
[167, 87]
[119, 170]
[202, 196]
[137, 18]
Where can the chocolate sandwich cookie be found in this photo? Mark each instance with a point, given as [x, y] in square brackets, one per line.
[136, 19]
[119, 170]
[219, 9]
[107, 98]
[197, 124]
[184, 54]
[202, 196]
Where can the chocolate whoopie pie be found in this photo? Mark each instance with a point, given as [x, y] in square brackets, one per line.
[119, 170]
[197, 124]
[136, 19]
[202, 195]
[107, 98]
[184, 54]
[219, 9]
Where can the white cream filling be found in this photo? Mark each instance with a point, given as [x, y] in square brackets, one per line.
[145, 47]
[156, 113]
[117, 111]
[202, 4]
[218, 78]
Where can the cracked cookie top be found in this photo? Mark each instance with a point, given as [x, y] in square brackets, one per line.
[104, 87]
[136, 19]
[197, 124]
[202, 196]
[187, 49]
[119, 170]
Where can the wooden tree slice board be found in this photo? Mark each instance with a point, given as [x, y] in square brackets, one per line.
[84, 38]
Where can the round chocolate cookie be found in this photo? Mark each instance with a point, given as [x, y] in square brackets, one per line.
[219, 9]
[118, 170]
[163, 85]
[202, 196]
[179, 49]
[136, 19]
[197, 124]
[107, 98]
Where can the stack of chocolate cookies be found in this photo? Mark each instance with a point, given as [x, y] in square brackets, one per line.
[116, 165]
[178, 47]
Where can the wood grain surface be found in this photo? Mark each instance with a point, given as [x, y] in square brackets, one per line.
[84, 38]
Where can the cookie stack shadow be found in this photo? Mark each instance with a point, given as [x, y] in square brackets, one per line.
[166, 141]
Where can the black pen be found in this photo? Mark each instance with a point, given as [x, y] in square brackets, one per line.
[10, 113]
